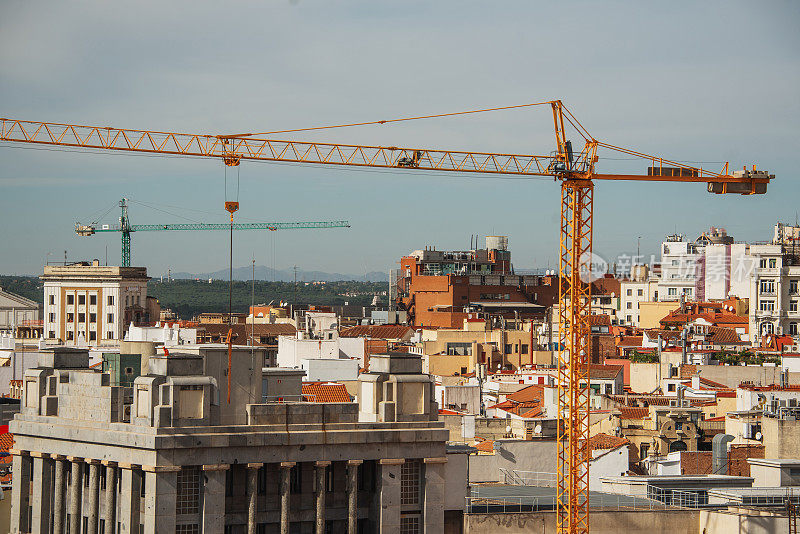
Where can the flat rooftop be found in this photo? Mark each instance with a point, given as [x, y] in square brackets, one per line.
[501, 497]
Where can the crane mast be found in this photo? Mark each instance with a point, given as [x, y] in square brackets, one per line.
[575, 170]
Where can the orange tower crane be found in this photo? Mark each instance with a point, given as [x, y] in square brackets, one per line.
[574, 169]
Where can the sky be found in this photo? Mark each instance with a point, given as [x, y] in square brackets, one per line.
[703, 82]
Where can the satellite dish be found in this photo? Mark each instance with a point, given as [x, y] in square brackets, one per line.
[537, 429]
[758, 436]
[508, 429]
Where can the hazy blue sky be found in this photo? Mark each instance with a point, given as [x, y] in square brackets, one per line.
[694, 81]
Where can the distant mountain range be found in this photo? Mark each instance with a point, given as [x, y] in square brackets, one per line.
[287, 275]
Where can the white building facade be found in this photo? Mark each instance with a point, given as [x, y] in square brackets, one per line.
[92, 303]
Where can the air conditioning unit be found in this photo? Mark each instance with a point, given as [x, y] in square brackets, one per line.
[673, 404]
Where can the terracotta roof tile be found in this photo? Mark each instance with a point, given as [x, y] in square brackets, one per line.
[380, 331]
[6, 441]
[633, 413]
[325, 392]
[534, 392]
[606, 441]
[485, 446]
[605, 372]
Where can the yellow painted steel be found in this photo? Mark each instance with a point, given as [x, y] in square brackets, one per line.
[574, 355]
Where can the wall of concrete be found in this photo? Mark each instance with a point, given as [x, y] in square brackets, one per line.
[536, 455]
[644, 377]
[455, 481]
[634, 522]
[742, 521]
[781, 438]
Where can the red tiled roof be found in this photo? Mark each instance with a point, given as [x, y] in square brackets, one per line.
[726, 336]
[6, 441]
[633, 413]
[595, 320]
[606, 441]
[485, 446]
[628, 341]
[534, 392]
[380, 331]
[604, 372]
[325, 392]
[536, 412]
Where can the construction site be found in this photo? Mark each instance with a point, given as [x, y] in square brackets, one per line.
[472, 397]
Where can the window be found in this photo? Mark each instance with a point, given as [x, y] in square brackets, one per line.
[766, 305]
[92, 335]
[93, 300]
[110, 300]
[51, 334]
[628, 318]
[185, 529]
[52, 317]
[792, 305]
[629, 305]
[670, 387]
[762, 263]
[109, 335]
[70, 300]
[792, 329]
[773, 263]
[629, 292]
[767, 286]
[70, 317]
[296, 479]
[688, 292]
[409, 482]
[92, 317]
[409, 524]
[672, 291]
[792, 287]
[110, 318]
[188, 500]
[643, 449]
[81, 300]
[524, 349]
[640, 292]
[81, 317]
[508, 348]
[767, 328]
[126, 300]
[70, 335]
[53, 299]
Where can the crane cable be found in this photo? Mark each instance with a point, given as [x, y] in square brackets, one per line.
[386, 121]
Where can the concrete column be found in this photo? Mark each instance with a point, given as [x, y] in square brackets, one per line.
[20, 490]
[59, 495]
[214, 499]
[110, 498]
[130, 497]
[252, 496]
[94, 496]
[433, 495]
[160, 498]
[352, 496]
[75, 494]
[389, 495]
[320, 478]
[285, 495]
[42, 493]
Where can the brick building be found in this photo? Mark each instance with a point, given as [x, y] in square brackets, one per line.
[439, 288]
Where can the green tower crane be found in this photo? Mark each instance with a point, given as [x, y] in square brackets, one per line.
[126, 228]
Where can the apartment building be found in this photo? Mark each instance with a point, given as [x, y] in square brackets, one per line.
[93, 303]
[439, 288]
[775, 287]
[171, 454]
